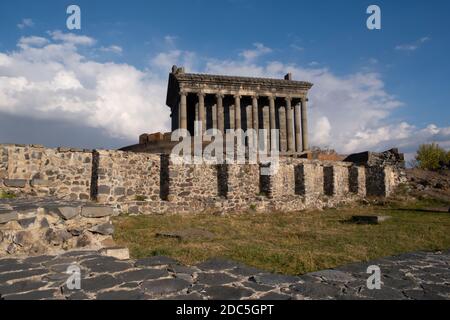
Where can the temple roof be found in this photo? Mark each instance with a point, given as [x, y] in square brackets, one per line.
[179, 80]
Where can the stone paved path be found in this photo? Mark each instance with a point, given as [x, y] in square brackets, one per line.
[418, 275]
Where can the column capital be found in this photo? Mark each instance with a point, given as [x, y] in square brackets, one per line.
[201, 94]
[271, 97]
[237, 96]
[255, 96]
[183, 93]
[219, 95]
[288, 99]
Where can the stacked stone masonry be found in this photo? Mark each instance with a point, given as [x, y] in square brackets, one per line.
[152, 183]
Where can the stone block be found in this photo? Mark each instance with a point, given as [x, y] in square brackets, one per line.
[96, 212]
[66, 213]
[120, 253]
[105, 229]
[104, 189]
[369, 219]
[8, 216]
[15, 183]
[40, 183]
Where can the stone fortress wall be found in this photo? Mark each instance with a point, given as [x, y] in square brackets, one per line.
[151, 183]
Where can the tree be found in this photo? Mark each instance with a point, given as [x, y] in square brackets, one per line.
[430, 156]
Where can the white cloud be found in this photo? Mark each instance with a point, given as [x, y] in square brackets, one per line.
[47, 78]
[112, 49]
[258, 51]
[53, 81]
[25, 23]
[32, 42]
[412, 46]
[72, 38]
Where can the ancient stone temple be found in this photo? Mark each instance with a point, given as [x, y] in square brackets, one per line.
[229, 102]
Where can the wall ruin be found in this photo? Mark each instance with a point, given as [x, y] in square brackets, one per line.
[151, 183]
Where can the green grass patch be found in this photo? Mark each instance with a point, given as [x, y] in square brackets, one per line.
[7, 195]
[289, 243]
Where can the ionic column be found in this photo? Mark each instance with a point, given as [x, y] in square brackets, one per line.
[289, 125]
[220, 116]
[237, 112]
[255, 113]
[183, 110]
[272, 121]
[298, 134]
[201, 110]
[304, 125]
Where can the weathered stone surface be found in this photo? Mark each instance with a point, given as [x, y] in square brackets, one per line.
[273, 279]
[100, 282]
[333, 276]
[120, 253]
[104, 229]
[68, 213]
[164, 286]
[7, 216]
[27, 222]
[217, 264]
[403, 277]
[23, 238]
[33, 295]
[15, 183]
[96, 212]
[214, 279]
[142, 274]
[155, 261]
[227, 293]
[121, 295]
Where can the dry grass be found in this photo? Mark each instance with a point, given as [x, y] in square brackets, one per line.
[289, 243]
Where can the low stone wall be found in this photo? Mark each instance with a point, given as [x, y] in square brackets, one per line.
[150, 183]
[46, 226]
[63, 172]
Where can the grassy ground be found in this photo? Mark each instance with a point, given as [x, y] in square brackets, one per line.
[290, 243]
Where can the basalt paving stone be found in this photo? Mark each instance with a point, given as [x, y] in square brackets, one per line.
[142, 274]
[15, 266]
[106, 266]
[33, 295]
[37, 259]
[245, 271]
[178, 268]
[78, 295]
[316, 290]
[164, 286]
[275, 296]
[227, 293]
[155, 261]
[100, 282]
[422, 295]
[214, 279]
[333, 276]
[113, 279]
[217, 264]
[21, 287]
[190, 296]
[385, 293]
[273, 279]
[256, 286]
[22, 274]
[121, 295]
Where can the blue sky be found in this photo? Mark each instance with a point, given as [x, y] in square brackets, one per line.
[327, 41]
